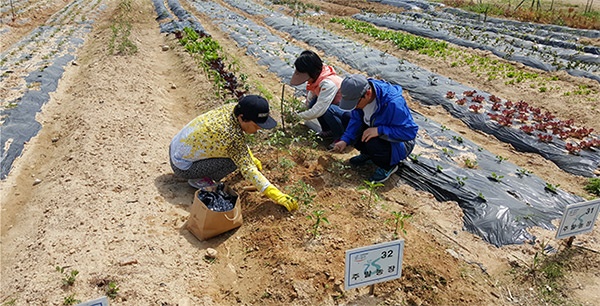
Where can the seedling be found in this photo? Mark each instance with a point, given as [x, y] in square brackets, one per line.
[521, 172]
[400, 40]
[496, 177]
[317, 216]
[458, 139]
[551, 188]
[481, 196]
[112, 290]
[279, 139]
[71, 300]
[290, 111]
[500, 158]
[68, 278]
[414, 157]
[439, 168]
[302, 192]
[399, 218]
[593, 186]
[372, 188]
[471, 164]
[535, 264]
[461, 180]
[340, 168]
[475, 107]
[448, 152]
[286, 164]
[444, 128]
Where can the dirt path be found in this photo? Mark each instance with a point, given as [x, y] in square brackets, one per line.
[102, 162]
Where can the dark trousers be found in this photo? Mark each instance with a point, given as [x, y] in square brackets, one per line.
[378, 149]
[334, 119]
[214, 168]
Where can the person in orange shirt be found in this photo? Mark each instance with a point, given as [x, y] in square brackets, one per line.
[323, 86]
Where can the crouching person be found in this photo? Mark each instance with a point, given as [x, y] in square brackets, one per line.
[323, 95]
[381, 126]
[213, 145]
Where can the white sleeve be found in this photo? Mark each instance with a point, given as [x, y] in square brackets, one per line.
[326, 96]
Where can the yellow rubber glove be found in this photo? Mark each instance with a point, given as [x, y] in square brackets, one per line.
[281, 198]
[256, 161]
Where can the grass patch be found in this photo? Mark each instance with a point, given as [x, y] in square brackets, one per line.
[402, 41]
[120, 42]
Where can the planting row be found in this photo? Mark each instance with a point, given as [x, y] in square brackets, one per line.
[532, 51]
[479, 188]
[31, 69]
[565, 33]
[176, 22]
[547, 48]
[13, 8]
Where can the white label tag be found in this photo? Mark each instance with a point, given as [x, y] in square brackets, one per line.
[578, 218]
[373, 264]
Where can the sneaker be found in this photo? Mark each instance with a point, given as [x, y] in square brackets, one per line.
[381, 175]
[201, 183]
[359, 160]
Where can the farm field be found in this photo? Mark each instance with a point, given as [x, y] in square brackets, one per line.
[92, 91]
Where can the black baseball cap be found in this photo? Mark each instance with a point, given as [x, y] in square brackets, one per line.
[256, 108]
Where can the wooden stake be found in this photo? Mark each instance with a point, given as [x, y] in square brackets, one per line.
[570, 241]
[282, 109]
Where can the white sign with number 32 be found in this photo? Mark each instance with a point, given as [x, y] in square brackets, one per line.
[373, 264]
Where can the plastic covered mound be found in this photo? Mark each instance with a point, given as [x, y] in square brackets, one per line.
[41, 67]
[545, 47]
[499, 200]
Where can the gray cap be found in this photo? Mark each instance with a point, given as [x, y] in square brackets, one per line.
[353, 88]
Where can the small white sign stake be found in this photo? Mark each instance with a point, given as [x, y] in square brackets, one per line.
[373, 264]
[103, 301]
[578, 218]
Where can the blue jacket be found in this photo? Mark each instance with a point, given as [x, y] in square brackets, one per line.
[392, 118]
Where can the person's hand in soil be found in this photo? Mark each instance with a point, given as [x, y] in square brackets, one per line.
[339, 146]
[281, 198]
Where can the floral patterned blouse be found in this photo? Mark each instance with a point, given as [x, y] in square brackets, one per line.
[216, 134]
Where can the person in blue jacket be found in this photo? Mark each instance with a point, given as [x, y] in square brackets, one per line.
[381, 126]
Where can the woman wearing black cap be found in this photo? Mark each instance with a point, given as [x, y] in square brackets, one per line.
[213, 145]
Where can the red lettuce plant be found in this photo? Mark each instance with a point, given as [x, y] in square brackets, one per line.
[475, 107]
[469, 93]
[478, 98]
[496, 106]
[495, 99]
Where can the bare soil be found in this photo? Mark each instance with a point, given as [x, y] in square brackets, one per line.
[94, 192]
